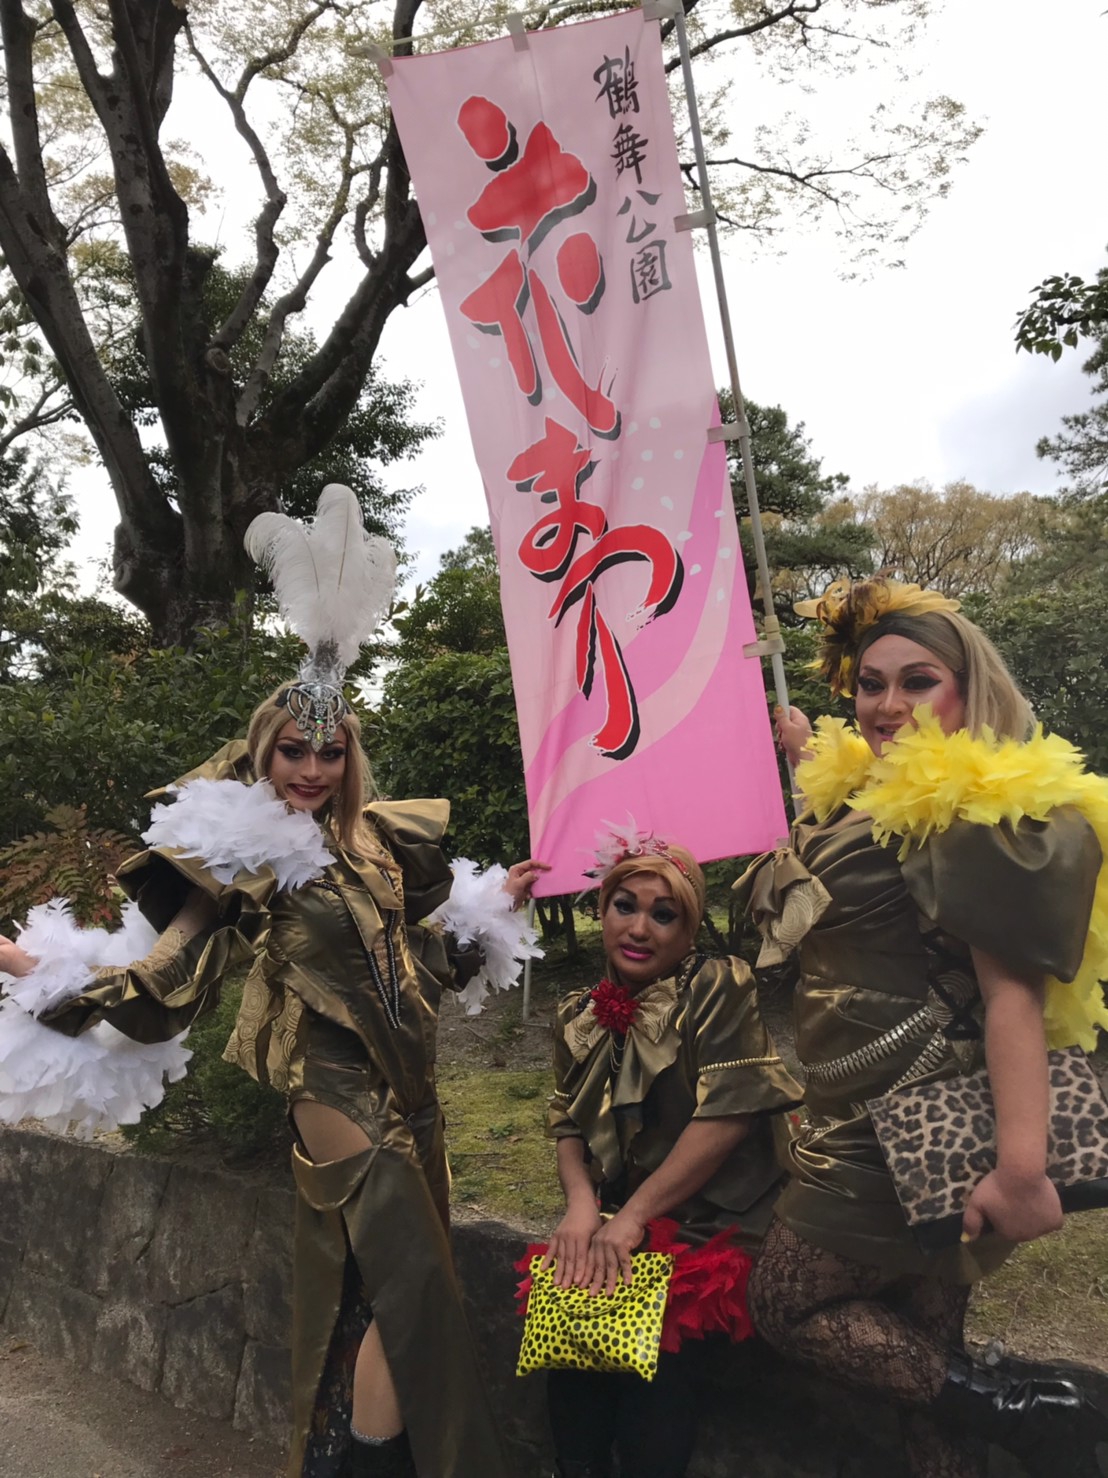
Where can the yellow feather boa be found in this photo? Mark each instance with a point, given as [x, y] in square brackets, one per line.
[927, 780]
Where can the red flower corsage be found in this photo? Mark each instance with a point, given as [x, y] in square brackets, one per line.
[614, 1007]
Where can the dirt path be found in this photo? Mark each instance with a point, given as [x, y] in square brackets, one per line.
[57, 1421]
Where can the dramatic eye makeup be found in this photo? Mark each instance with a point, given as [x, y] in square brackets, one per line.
[914, 682]
[296, 752]
[661, 913]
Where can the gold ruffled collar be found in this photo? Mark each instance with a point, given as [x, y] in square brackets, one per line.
[927, 780]
[657, 1004]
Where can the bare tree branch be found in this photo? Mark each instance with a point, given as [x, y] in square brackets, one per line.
[37, 417]
[294, 300]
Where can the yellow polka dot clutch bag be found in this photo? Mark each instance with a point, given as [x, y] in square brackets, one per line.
[573, 1329]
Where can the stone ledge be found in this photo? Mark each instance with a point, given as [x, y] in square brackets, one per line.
[179, 1280]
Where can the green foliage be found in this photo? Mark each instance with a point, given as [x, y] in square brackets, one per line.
[45, 634]
[1063, 310]
[1054, 641]
[1082, 448]
[805, 549]
[448, 726]
[73, 860]
[458, 612]
[37, 520]
[476, 552]
[99, 727]
[216, 1103]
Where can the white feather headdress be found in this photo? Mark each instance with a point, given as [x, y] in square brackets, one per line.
[334, 584]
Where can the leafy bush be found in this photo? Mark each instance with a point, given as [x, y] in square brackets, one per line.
[98, 728]
[448, 727]
[72, 859]
[1054, 641]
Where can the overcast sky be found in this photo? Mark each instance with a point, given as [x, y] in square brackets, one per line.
[913, 373]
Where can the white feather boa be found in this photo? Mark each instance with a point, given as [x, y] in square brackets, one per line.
[479, 912]
[236, 828]
[100, 1079]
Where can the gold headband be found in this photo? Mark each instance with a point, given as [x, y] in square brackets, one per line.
[847, 611]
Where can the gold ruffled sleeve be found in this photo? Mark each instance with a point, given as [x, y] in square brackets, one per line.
[1023, 892]
[413, 832]
[738, 1067]
[205, 930]
[783, 900]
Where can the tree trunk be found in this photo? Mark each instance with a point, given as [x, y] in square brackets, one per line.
[178, 553]
[569, 926]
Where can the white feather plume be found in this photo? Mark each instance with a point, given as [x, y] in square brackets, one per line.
[480, 912]
[334, 582]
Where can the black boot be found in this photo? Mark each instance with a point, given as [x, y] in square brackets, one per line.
[389, 1459]
[1047, 1420]
[597, 1468]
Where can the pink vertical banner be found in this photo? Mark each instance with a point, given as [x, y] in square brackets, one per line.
[547, 174]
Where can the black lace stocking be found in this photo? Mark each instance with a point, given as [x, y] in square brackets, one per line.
[879, 1333]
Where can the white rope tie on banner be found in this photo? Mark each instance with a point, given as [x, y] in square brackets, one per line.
[376, 54]
[694, 219]
[517, 30]
[660, 10]
[733, 431]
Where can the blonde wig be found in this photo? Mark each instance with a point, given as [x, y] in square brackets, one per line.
[345, 816]
[677, 868]
[987, 687]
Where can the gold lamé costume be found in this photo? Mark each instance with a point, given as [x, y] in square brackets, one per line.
[887, 990]
[697, 1049]
[340, 1007]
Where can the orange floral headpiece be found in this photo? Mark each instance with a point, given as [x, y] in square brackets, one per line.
[847, 611]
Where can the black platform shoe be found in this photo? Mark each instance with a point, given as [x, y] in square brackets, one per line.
[391, 1459]
[1043, 1417]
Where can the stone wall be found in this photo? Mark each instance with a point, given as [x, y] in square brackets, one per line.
[178, 1280]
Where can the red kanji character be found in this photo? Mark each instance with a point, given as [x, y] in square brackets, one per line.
[598, 409]
[496, 307]
[636, 541]
[488, 132]
[529, 197]
[619, 734]
[556, 467]
[596, 644]
[581, 271]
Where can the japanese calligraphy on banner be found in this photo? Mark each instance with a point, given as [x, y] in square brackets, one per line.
[548, 180]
